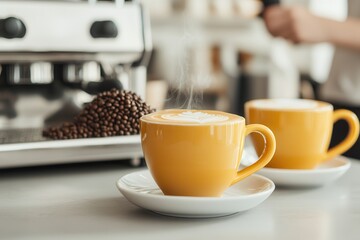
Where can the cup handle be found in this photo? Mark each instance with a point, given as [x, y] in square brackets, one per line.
[267, 154]
[351, 137]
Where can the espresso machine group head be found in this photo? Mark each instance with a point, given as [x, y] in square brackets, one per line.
[60, 49]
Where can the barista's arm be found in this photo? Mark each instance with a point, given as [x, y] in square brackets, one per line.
[298, 25]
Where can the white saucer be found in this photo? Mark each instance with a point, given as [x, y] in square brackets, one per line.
[141, 189]
[325, 173]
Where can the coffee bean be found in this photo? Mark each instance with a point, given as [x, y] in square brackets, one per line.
[111, 113]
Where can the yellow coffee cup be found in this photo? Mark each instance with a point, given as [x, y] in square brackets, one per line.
[197, 153]
[302, 129]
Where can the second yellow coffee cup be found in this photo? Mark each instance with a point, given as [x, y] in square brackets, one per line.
[302, 129]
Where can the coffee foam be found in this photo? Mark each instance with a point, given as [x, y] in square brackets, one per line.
[289, 104]
[190, 117]
[195, 117]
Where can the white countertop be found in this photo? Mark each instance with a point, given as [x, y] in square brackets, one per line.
[81, 202]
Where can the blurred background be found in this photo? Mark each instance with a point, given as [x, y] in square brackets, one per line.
[220, 51]
[57, 55]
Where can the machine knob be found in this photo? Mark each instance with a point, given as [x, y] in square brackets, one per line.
[104, 29]
[12, 28]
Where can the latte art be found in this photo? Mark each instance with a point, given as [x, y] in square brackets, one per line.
[191, 117]
[194, 117]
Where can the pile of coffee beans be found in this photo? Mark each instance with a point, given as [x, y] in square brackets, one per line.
[111, 113]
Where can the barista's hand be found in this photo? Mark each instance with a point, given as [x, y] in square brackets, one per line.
[296, 24]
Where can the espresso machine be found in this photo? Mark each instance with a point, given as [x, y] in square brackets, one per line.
[55, 56]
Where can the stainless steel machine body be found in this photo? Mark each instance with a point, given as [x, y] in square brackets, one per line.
[54, 57]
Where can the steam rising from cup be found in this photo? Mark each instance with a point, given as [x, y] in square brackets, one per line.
[193, 69]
